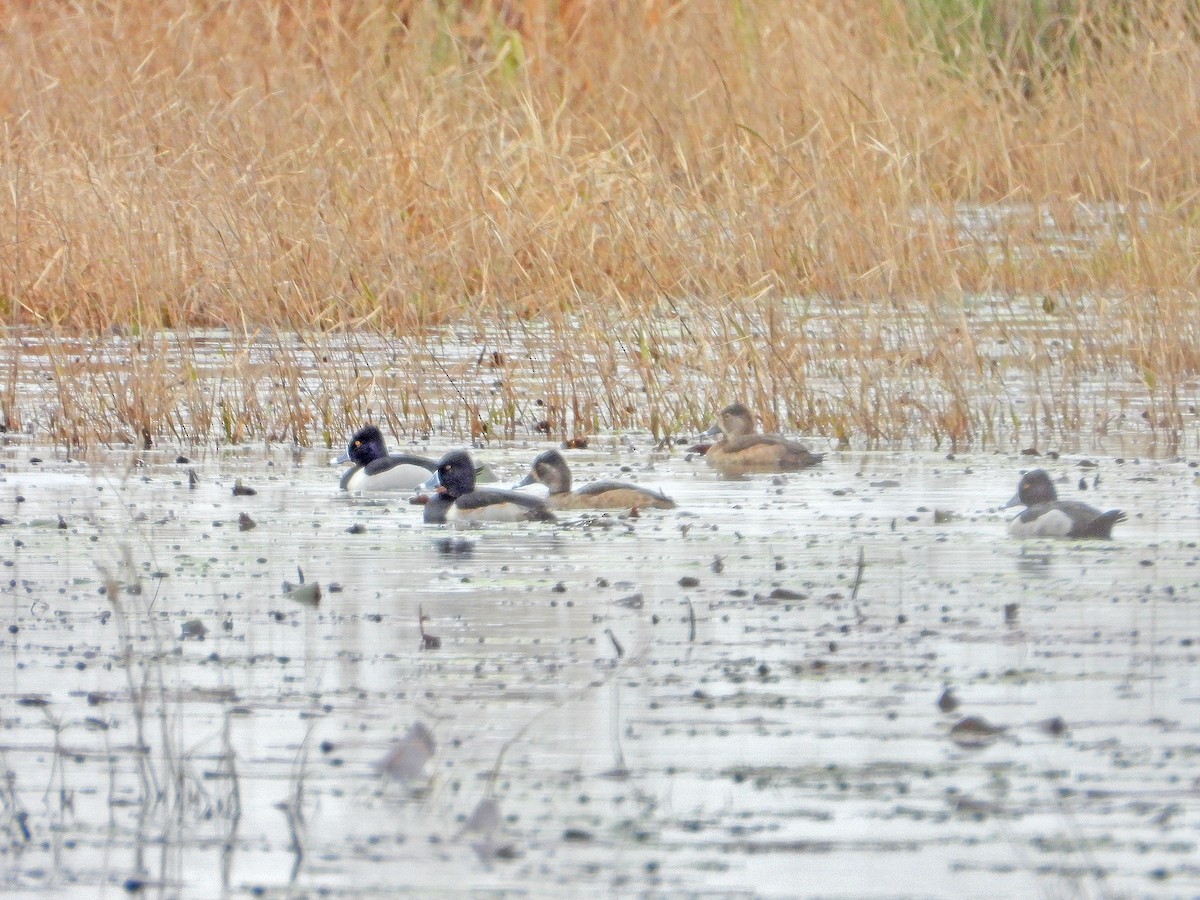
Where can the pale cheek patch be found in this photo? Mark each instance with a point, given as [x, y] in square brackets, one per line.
[1054, 523]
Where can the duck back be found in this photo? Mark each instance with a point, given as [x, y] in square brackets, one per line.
[612, 495]
[1065, 519]
[760, 453]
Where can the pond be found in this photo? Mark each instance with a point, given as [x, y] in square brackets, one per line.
[746, 695]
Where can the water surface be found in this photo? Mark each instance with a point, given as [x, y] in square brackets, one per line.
[683, 701]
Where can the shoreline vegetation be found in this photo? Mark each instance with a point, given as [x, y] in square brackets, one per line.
[941, 223]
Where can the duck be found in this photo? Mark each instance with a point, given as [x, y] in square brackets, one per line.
[551, 470]
[1047, 516]
[456, 499]
[375, 469]
[742, 450]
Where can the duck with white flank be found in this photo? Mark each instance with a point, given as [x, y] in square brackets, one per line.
[456, 499]
[1047, 516]
[375, 469]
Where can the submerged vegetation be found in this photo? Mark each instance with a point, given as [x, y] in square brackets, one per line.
[942, 222]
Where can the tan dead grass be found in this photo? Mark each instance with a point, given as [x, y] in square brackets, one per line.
[653, 183]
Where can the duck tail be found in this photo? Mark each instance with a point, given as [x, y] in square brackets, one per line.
[1102, 525]
[804, 459]
[541, 513]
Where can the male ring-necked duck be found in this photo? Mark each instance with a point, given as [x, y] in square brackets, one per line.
[1047, 516]
[741, 450]
[551, 470]
[458, 500]
[375, 470]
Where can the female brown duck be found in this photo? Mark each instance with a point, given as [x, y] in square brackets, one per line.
[551, 470]
[742, 450]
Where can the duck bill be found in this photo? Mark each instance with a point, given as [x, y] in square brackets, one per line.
[528, 479]
[432, 484]
[1015, 501]
[343, 457]
[712, 432]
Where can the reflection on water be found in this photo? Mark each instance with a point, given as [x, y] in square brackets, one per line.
[454, 546]
[749, 725]
[1035, 563]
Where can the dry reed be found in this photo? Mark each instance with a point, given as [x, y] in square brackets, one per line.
[913, 222]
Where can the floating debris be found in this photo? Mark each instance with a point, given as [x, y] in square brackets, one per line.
[428, 641]
[308, 594]
[192, 630]
[948, 702]
[786, 594]
[245, 523]
[974, 731]
[241, 490]
[1055, 726]
[620, 651]
[408, 757]
[484, 819]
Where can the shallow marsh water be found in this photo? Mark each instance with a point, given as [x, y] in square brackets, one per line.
[758, 729]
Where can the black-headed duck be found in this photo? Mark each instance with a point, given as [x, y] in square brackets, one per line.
[456, 499]
[1047, 516]
[375, 469]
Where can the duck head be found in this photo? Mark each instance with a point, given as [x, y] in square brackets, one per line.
[733, 421]
[551, 470]
[1033, 488]
[365, 447]
[455, 475]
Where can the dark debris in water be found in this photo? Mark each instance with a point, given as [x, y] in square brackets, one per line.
[243, 490]
[974, 731]
[193, 630]
[948, 702]
[696, 740]
[308, 594]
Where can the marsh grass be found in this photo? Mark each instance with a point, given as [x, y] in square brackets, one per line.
[180, 801]
[870, 221]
